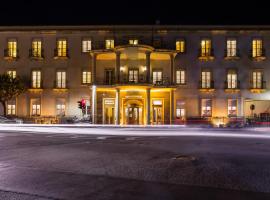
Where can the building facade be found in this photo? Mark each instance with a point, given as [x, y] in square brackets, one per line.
[138, 74]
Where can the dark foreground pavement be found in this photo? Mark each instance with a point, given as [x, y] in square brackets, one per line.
[64, 166]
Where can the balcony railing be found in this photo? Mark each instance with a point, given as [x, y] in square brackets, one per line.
[36, 54]
[36, 86]
[61, 85]
[231, 53]
[206, 54]
[232, 85]
[206, 85]
[257, 54]
[61, 53]
[11, 53]
[258, 85]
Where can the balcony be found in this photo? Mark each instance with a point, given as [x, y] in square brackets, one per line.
[232, 54]
[257, 87]
[257, 54]
[60, 87]
[35, 54]
[206, 86]
[11, 54]
[231, 87]
[206, 54]
[61, 53]
[37, 88]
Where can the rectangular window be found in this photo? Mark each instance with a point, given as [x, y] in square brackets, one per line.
[109, 44]
[231, 79]
[36, 48]
[86, 45]
[12, 48]
[157, 77]
[206, 79]
[231, 48]
[181, 77]
[257, 48]
[12, 73]
[61, 79]
[232, 107]
[36, 79]
[35, 107]
[86, 77]
[109, 76]
[206, 47]
[133, 42]
[206, 107]
[180, 46]
[180, 109]
[133, 76]
[11, 107]
[257, 78]
[62, 48]
[60, 107]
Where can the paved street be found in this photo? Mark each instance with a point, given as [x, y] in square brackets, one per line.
[77, 163]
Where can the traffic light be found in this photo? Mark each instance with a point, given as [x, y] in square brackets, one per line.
[82, 104]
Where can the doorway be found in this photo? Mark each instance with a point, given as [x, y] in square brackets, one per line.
[133, 109]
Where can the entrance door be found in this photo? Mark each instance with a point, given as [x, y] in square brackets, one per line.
[133, 114]
[109, 115]
[157, 114]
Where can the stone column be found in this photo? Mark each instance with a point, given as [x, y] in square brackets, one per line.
[147, 64]
[117, 67]
[94, 104]
[148, 106]
[117, 106]
[94, 63]
[172, 69]
[172, 107]
[240, 106]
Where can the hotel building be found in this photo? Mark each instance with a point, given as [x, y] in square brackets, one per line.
[137, 74]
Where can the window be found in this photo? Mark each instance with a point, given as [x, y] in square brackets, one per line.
[231, 48]
[206, 79]
[109, 44]
[11, 107]
[36, 79]
[180, 109]
[35, 107]
[12, 48]
[60, 107]
[206, 107]
[61, 79]
[86, 77]
[206, 47]
[181, 77]
[257, 79]
[180, 46]
[257, 48]
[157, 77]
[133, 75]
[37, 48]
[62, 48]
[86, 45]
[11, 73]
[231, 79]
[109, 76]
[134, 42]
[232, 107]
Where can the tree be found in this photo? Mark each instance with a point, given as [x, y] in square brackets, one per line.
[10, 88]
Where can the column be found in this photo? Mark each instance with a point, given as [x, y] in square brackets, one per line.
[172, 107]
[240, 106]
[94, 104]
[117, 106]
[148, 106]
[147, 64]
[94, 63]
[117, 67]
[172, 69]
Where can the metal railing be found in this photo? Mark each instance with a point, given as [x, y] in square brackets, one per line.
[58, 52]
[232, 84]
[206, 52]
[11, 53]
[206, 84]
[36, 53]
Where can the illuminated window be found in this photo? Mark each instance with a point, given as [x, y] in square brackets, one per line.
[232, 107]
[257, 48]
[37, 48]
[11, 107]
[35, 107]
[133, 75]
[36, 79]
[231, 79]
[86, 77]
[157, 77]
[12, 48]
[257, 78]
[180, 109]
[62, 48]
[231, 48]
[109, 44]
[181, 76]
[206, 47]
[180, 46]
[86, 45]
[11, 73]
[206, 107]
[60, 107]
[61, 79]
[133, 42]
[206, 79]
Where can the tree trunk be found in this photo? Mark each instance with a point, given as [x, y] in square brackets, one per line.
[4, 107]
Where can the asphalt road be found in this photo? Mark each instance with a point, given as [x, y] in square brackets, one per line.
[47, 166]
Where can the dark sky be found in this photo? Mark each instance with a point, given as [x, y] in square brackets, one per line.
[78, 12]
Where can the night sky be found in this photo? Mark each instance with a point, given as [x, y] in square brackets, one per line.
[78, 12]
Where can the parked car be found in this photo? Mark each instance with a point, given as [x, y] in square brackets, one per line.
[5, 120]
